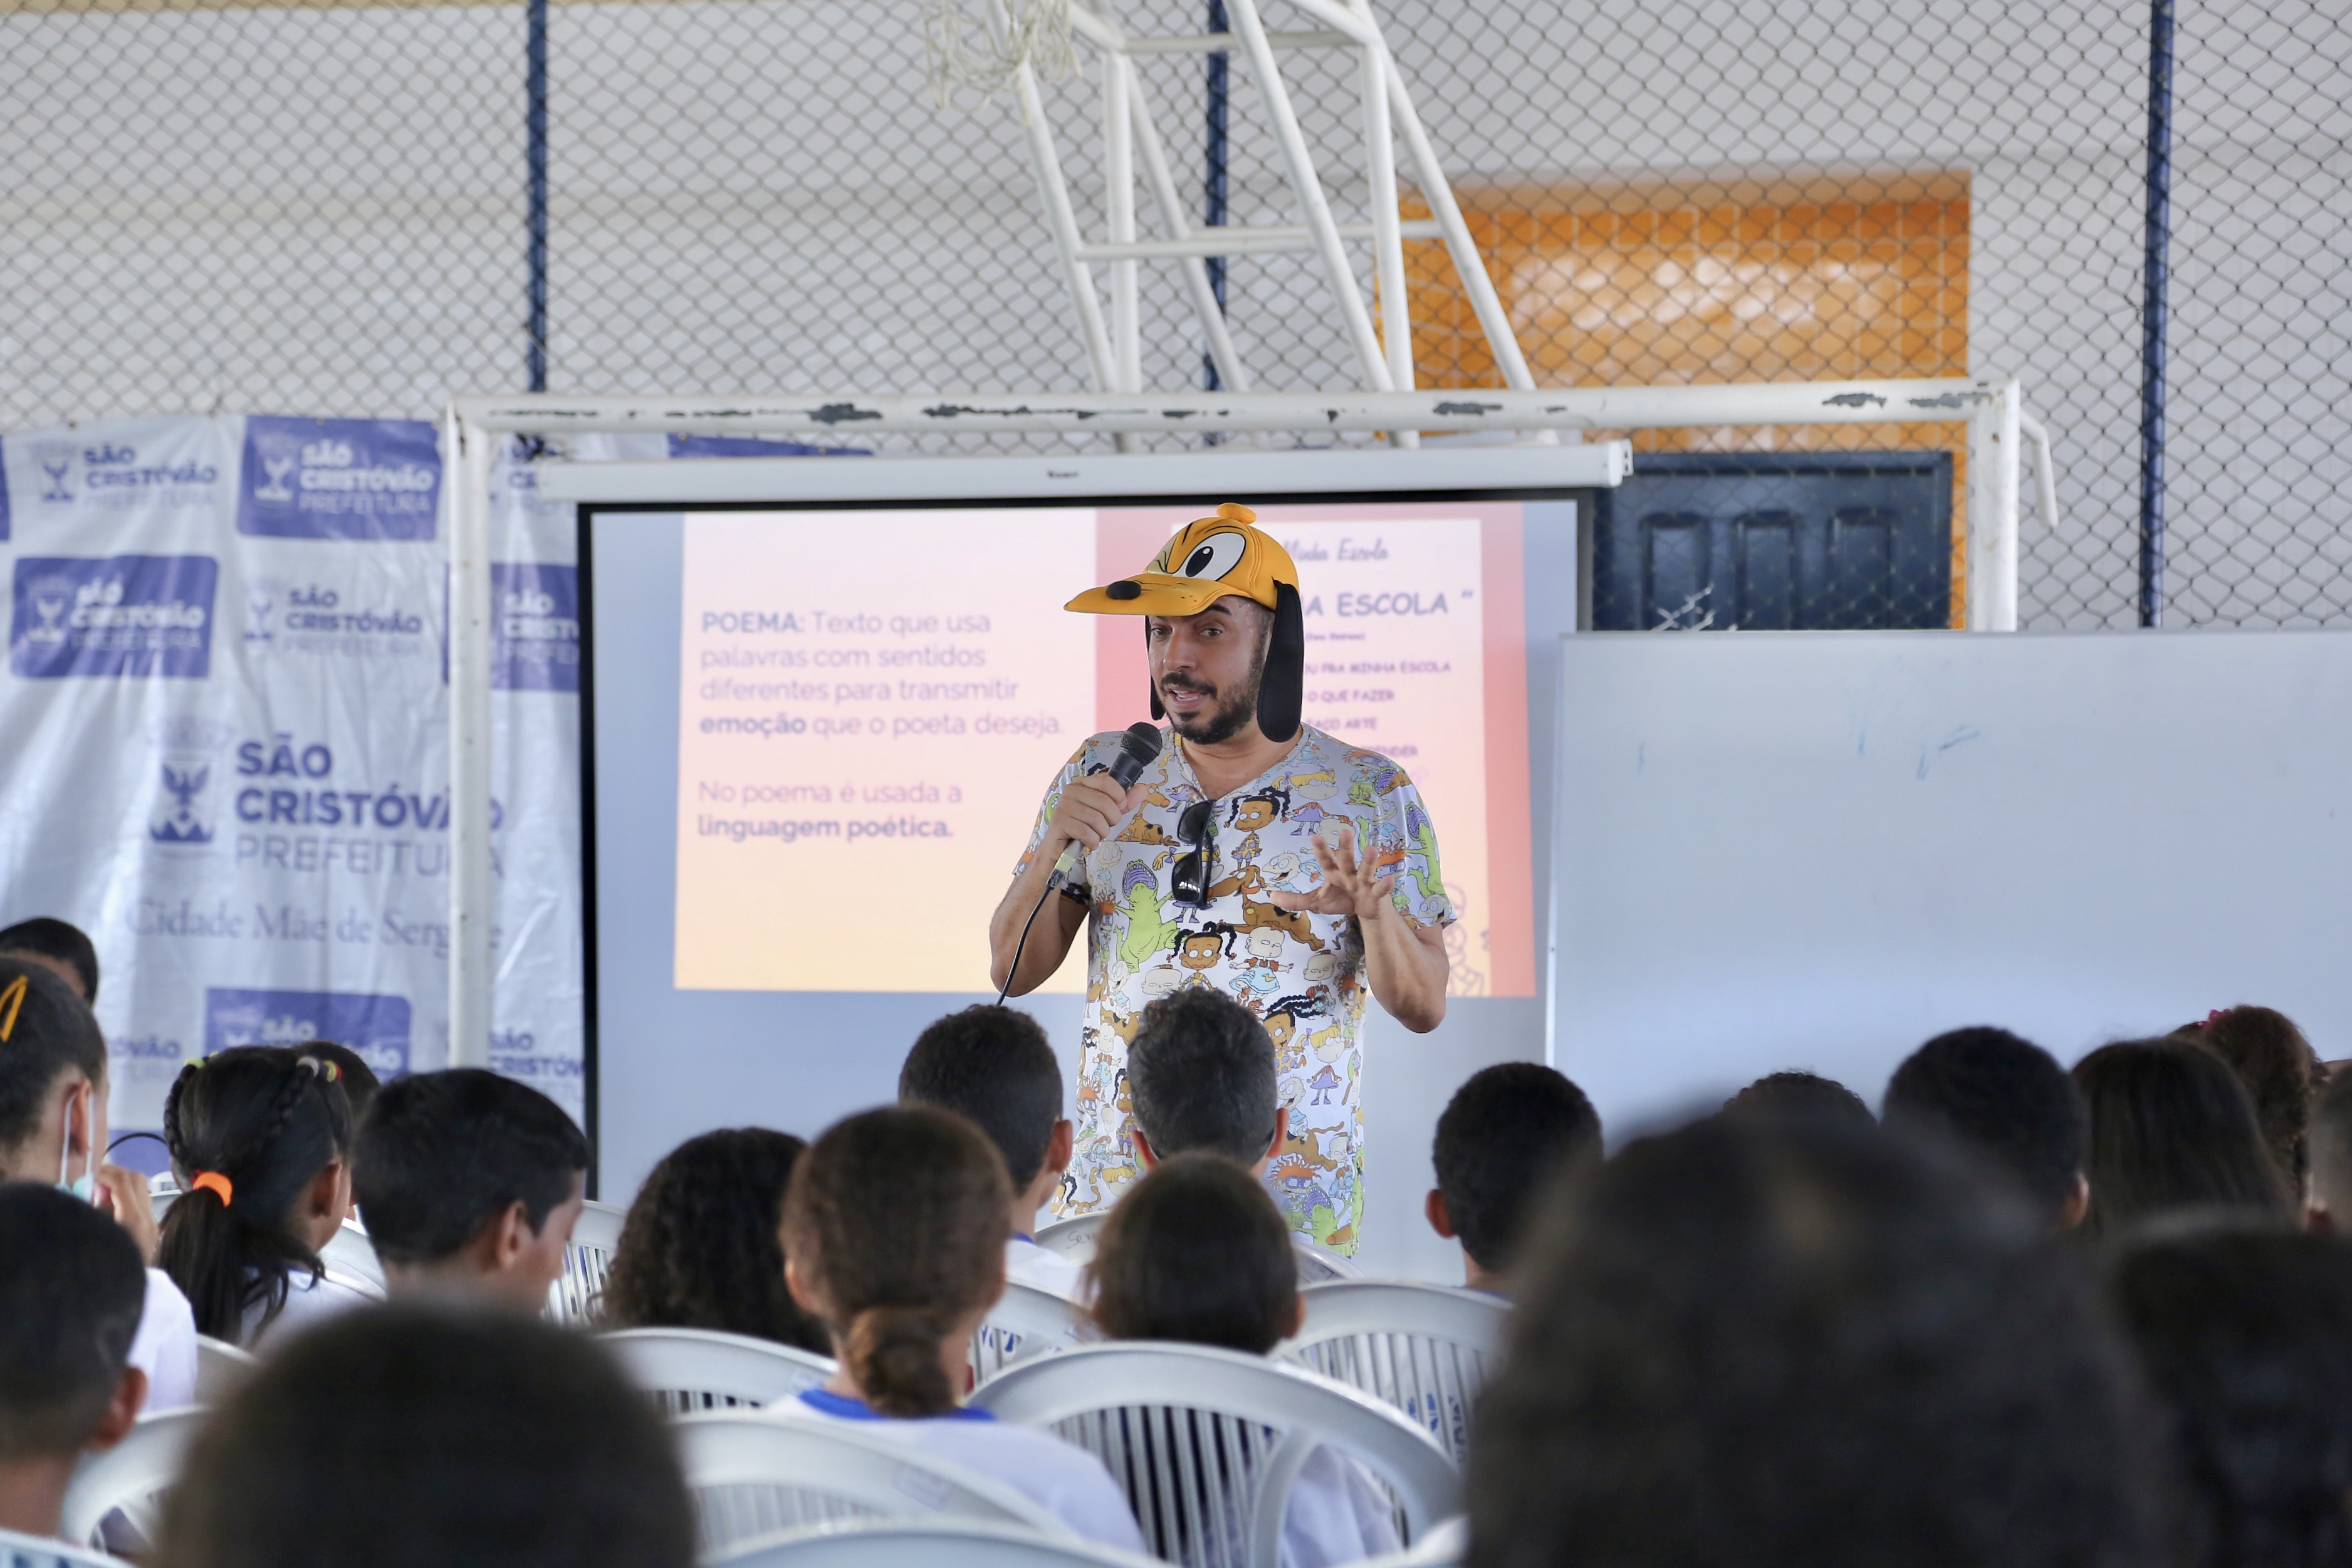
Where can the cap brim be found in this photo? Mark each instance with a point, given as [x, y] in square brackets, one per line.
[1162, 594]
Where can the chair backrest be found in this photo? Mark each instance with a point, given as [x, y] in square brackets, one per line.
[1424, 1349]
[595, 1236]
[760, 1474]
[1206, 1443]
[922, 1544]
[687, 1370]
[39, 1551]
[1074, 1238]
[132, 1477]
[1446, 1546]
[1025, 1322]
[351, 1255]
[220, 1367]
[1319, 1265]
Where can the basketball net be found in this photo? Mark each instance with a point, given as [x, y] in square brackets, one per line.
[973, 58]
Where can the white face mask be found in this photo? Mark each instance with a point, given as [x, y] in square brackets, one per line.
[84, 1186]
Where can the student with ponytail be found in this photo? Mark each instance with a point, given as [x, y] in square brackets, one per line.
[895, 1227]
[259, 1137]
[53, 1094]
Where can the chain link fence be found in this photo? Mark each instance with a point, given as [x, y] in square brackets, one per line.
[329, 210]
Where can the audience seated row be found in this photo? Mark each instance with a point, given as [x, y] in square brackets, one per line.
[2028, 1315]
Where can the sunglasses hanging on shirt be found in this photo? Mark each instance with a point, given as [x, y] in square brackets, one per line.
[1189, 881]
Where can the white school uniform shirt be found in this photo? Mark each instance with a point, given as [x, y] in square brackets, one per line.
[164, 1348]
[1337, 1514]
[1065, 1479]
[1043, 1269]
[309, 1299]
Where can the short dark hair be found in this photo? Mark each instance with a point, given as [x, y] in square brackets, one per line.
[1798, 1093]
[428, 1436]
[2247, 1335]
[269, 1119]
[1201, 1072]
[2172, 1128]
[2281, 1073]
[2331, 1149]
[55, 939]
[992, 1067]
[1196, 1252]
[443, 1153]
[53, 1033]
[2004, 1098]
[703, 1245]
[70, 1295]
[358, 1079]
[1795, 1340]
[1502, 1135]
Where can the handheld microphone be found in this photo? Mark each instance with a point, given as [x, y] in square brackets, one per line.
[1137, 750]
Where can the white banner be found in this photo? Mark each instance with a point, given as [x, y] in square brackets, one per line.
[226, 711]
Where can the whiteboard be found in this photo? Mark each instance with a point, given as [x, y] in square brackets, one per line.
[1778, 849]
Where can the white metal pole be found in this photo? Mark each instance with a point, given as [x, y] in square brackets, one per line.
[1061, 220]
[1119, 215]
[1994, 439]
[1172, 213]
[470, 884]
[1387, 233]
[1308, 186]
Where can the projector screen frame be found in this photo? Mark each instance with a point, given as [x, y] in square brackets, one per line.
[881, 498]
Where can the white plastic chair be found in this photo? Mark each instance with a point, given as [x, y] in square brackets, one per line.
[1446, 1546]
[1206, 1443]
[923, 1543]
[1075, 1239]
[220, 1367]
[351, 1256]
[756, 1475]
[1025, 1322]
[132, 1477]
[574, 1298]
[1424, 1349]
[39, 1551]
[687, 1370]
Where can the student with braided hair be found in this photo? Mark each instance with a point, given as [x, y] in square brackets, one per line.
[895, 1226]
[259, 1136]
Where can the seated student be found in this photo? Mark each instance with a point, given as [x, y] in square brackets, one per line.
[1798, 1093]
[1197, 1253]
[52, 1092]
[894, 1238]
[71, 1292]
[703, 1247]
[1795, 1341]
[59, 948]
[2247, 1337]
[2328, 1207]
[2008, 1102]
[1201, 1073]
[432, 1436]
[260, 1138]
[992, 1067]
[2171, 1130]
[2282, 1075]
[469, 1183]
[1505, 1133]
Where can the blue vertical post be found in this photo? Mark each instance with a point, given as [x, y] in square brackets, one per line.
[1220, 102]
[535, 156]
[2153, 314]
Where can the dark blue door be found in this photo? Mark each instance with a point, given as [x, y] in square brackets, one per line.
[1777, 541]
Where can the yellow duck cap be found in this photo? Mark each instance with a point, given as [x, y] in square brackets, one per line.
[1206, 559]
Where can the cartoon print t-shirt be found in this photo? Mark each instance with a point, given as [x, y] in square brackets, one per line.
[1301, 973]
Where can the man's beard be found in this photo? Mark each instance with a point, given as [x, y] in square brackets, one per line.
[1228, 718]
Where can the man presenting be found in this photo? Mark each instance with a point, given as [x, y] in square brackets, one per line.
[1257, 855]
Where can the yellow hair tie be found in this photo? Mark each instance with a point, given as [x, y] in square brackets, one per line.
[13, 999]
